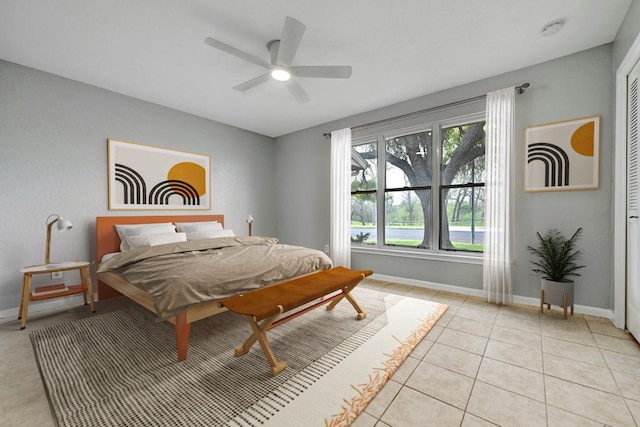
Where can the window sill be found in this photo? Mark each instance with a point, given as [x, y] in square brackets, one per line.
[458, 257]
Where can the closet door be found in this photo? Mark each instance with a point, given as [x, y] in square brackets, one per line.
[633, 206]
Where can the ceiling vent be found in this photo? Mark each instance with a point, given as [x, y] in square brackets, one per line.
[552, 28]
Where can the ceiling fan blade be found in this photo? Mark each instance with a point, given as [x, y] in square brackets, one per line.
[289, 41]
[253, 82]
[328, 72]
[298, 93]
[235, 52]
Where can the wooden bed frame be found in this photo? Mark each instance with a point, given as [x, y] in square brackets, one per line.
[111, 285]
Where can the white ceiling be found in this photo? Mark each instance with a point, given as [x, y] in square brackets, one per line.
[154, 49]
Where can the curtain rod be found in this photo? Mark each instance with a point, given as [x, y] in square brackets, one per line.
[519, 90]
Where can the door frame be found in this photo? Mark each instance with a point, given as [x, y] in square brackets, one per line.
[620, 187]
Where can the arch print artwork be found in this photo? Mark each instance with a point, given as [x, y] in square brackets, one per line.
[147, 177]
[562, 156]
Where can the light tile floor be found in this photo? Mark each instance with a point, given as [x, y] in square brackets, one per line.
[481, 365]
[485, 365]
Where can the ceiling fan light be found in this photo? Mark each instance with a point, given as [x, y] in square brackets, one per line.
[280, 75]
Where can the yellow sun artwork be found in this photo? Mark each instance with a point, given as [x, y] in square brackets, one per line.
[582, 139]
[191, 173]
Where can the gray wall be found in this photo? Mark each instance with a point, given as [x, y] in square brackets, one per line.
[627, 34]
[571, 87]
[53, 139]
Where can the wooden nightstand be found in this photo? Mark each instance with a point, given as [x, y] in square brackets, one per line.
[84, 287]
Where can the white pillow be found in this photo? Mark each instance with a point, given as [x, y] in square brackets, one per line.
[147, 240]
[121, 228]
[209, 234]
[141, 230]
[198, 226]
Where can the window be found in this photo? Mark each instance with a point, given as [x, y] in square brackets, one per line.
[422, 188]
[408, 190]
[364, 185]
[462, 187]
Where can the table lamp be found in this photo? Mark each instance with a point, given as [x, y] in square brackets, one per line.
[62, 225]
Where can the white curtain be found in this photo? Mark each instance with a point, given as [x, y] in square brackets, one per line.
[498, 219]
[340, 247]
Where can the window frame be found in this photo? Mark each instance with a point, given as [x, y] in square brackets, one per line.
[401, 133]
[447, 124]
[380, 137]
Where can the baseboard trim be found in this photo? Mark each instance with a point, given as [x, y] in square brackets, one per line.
[582, 309]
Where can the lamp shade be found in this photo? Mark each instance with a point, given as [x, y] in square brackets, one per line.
[63, 224]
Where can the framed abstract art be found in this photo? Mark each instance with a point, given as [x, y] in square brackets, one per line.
[147, 177]
[562, 156]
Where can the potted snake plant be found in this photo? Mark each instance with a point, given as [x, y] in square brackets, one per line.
[556, 259]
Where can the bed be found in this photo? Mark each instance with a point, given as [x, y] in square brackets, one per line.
[112, 282]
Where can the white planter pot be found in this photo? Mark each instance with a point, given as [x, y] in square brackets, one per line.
[556, 293]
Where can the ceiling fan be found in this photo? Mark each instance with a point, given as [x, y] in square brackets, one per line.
[282, 52]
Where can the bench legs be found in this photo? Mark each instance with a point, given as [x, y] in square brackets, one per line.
[260, 329]
[361, 313]
[259, 334]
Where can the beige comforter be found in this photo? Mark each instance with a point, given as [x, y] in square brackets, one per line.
[178, 275]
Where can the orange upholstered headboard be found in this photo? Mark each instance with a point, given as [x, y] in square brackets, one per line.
[107, 240]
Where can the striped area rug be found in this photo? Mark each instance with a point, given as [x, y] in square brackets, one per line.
[120, 368]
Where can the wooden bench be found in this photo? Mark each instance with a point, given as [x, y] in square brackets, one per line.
[267, 304]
